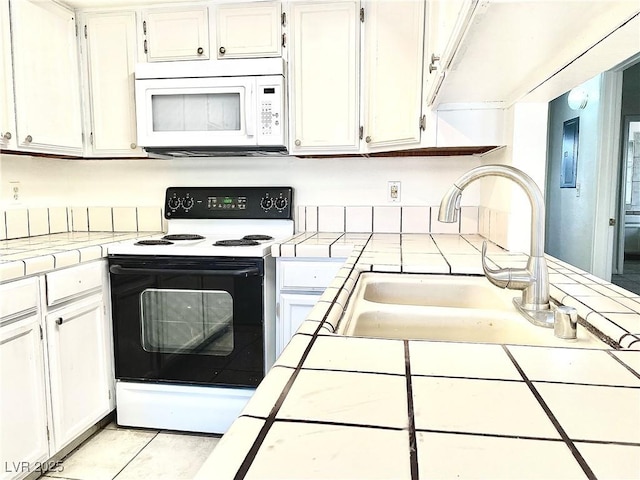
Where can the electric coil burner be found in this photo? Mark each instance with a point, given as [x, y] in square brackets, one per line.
[183, 236]
[154, 242]
[194, 310]
[240, 242]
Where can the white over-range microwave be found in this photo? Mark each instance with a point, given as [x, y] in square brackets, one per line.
[196, 108]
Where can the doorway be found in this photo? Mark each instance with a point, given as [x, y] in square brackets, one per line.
[627, 268]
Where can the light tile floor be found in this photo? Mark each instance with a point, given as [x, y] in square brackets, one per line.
[118, 453]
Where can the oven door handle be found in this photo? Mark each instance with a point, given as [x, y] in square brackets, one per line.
[243, 272]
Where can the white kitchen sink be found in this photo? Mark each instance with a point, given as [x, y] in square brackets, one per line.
[444, 308]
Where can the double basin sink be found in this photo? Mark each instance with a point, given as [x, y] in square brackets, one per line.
[444, 308]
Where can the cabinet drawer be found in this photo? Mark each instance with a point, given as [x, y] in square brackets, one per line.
[73, 282]
[307, 275]
[24, 299]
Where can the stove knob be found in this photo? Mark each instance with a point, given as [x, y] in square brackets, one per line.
[174, 203]
[187, 204]
[281, 203]
[266, 203]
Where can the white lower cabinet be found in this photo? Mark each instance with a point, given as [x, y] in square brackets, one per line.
[301, 282]
[78, 368]
[56, 367]
[23, 400]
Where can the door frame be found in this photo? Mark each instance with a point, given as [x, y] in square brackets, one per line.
[618, 259]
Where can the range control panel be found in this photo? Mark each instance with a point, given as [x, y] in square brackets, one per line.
[229, 202]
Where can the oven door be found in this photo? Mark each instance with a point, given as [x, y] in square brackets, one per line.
[188, 320]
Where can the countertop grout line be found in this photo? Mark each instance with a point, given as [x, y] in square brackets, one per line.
[633, 372]
[413, 443]
[563, 434]
[490, 435]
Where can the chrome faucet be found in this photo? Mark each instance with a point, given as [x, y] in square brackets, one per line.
[532, 280]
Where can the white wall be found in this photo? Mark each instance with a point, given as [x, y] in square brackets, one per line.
[330, 181]
[571, 211]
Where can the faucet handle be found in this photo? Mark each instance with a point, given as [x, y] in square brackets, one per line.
[500, 277]
[512, 278]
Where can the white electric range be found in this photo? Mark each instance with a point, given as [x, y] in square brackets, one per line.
[194, 310]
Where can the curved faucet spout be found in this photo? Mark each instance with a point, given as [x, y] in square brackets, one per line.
[533, 280]
[451, 200]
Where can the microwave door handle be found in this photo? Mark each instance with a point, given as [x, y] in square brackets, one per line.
[249, 106]
[242, 272]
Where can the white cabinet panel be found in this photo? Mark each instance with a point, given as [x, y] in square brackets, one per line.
[300, 282]
[7, 105]
[24, 296]
[79, 368]
[306, 275]
[248, 30]
[393, 51]
[47, 92]
[176, 33]
[111, 59]
[324, 71]
[23, 411]
[69, 283]
[294, 309]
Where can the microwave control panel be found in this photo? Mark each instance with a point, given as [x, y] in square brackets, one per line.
[271, 107]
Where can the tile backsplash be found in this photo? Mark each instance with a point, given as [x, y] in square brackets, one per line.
[382, 219]
[31, 222]
[491, 224]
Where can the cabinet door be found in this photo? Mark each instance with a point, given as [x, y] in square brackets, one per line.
[176, 34]
[79, 368]
[294, 309]
[23, 411]
[393, 57]
[7, 112]
[47, 92]
[324, 57]
[111, 59]
[446, 22]
[248, 30]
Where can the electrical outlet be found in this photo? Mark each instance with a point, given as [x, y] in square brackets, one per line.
[393, 192]
[14, 191]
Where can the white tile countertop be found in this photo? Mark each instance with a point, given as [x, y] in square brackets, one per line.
[363, 408]
[32, 255]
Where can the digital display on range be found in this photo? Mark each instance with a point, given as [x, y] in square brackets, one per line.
[227, 203]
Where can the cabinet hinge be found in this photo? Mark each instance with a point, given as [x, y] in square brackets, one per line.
[283, 19]
[362, 14]
[76, 29]
[284, 40]
[85, 31]
[361, 133]
[41, 334]
[144, 27]
[109, 394]
[91, 138]
[48, 434]
[423, 122]
[145, 47]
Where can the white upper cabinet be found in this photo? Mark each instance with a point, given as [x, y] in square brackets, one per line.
[498, 51]
[46, 77]
[248, 30]
[446, 21]
[177, 33]
[392, 80]
[110, 58]
[323, 77]
[7, 105]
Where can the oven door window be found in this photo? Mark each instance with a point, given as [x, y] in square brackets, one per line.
[187, 321]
